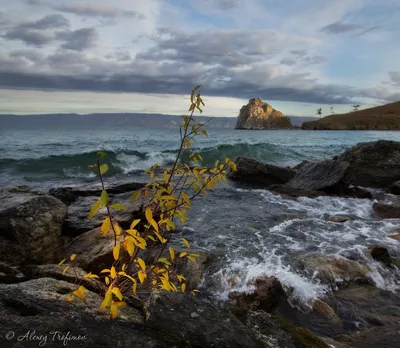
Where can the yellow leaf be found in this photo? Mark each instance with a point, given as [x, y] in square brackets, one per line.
[117, 293]
[154, 224]
[117, 229]
[135, 195]
[69, 298]
[165, 284]
[183, 287]
[142, 264]
[149, 215]
[142, 276]
[204, 132]
[107, 301]
[118, 207]
[191, 258]
[65, 269]
[134, 286]
[107, 280]
[172, 254]
[130, 247]
[90, 276]
[113, 311]
[104, 198]
[180, 278]
[113, 272]
[186, 243]
[72, 257]
[186, 198]
[94, 209]
[182, 254]
[134, 223]
[103, 169]
[116, 251]
[105, 227]
[162, 240]
[61, 262]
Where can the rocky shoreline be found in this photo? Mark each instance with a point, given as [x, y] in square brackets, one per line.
[39, 229]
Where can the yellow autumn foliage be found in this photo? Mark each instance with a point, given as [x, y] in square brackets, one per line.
[168, 197]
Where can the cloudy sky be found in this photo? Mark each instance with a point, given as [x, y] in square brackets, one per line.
[146, 55]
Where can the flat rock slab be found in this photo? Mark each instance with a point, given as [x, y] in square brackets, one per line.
[320, 176]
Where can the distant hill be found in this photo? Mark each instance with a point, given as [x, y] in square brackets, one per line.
[386, 117]
[110, 121]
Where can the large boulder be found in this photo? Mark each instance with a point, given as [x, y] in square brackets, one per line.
[30, 227]
[190, 322]
[381, 254]
[94, 252]
[386, 211]
[260, 115]
[395, 188]
[266, 295]
[254, 173]
[320, 176]
[78, 212]
[374, 164]
[334, 270]
[69, 194]
[35, 313]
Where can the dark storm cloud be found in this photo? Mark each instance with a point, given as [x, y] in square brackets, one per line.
[28, 36]
[78, 40]
[288, 61]
[96, 10]
[47, 22]
[345, 28]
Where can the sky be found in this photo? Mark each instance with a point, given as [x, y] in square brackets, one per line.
[61, 56]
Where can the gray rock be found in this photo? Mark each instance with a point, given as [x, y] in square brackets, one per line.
[10, 274]
[321, 176]
[381, 254]
[395, 188]
[38, 308]
[251, 172]
[78, 212]
[373, 164]
[69, 194]
[94, 252]
[386, 211]
[30, 228]
[334, 270]
[267, 294]
[171, 315]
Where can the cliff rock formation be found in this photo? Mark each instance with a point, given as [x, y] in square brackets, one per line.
[260, 115]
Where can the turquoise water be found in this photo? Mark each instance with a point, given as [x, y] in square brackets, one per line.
[45, 158]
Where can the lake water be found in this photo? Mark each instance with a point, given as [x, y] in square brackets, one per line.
[243, 228]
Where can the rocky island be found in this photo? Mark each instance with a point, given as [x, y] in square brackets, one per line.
[386, 117]
[260, 115]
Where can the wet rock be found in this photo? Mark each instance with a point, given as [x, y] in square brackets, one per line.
[386, 211]
[69, 194]
[94, 252]
[373, 164]
[381, 254]
[301, 165]
[395, 234]
[74, 275]
[10, 274]
[267, 294]
[190, 322]
[395, 188]
[78, 212]
[321, 176]
[251, 172]
[39, 306]
[30, 227]
[356, 192]
[377, 337]
[334, 270]
[325, 311]
[338, 218]
[292, 192]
